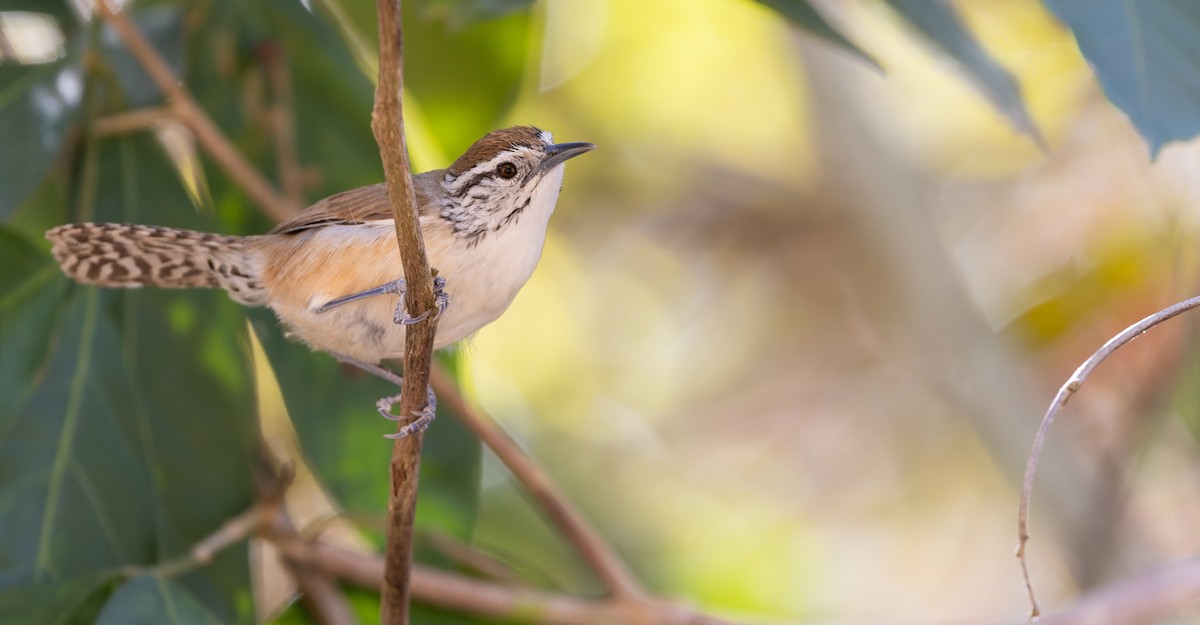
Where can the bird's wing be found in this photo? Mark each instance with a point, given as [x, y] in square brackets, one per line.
[356, 206]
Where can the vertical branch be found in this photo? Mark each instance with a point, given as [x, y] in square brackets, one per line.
[387, 123]
[282, 119]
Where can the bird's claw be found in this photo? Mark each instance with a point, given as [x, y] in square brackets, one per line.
[398, 287]
[441, 302]
[421, 418]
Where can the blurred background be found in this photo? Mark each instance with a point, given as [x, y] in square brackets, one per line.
[792, 333]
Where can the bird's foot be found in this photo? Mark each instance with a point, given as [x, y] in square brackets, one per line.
[441, 301]
[397, 287]
[420, 418]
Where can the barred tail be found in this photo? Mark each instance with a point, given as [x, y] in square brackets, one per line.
[126, 255]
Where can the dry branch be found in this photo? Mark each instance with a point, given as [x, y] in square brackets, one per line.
[185, 109]
[595, 551]
[131, 121]
[387, 122]
[491, 599]
[1164, 594]
[1068, 389]
[281, 116]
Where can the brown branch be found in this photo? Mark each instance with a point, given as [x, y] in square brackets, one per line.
[1068, 389]
[1157, 596]
[131, 121]
[282, 120]
[387, 123]
[321, 596]
[474, 560]
[230, 533]
[595, 551]
[208, 135]
[489, 599]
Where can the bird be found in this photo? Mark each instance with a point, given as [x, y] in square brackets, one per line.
[332, 274]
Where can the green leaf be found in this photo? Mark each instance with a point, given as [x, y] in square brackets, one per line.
[460, 13]
[802, 14]
[73, 602]
[333, 100]
[134, 434]
[38, 104]
[30, 293]
[162, 26]
[194, 400]
[1147, 57]
[939, 22]
[153, 600]
[465, 76]
[77, 488]
[488, 60]
[341, 434]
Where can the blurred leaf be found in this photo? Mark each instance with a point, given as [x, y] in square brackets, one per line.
[44, 208]
[38, 104]
[1147, 57]
[133, 437]
[488, 60]
[333, 100]
[802, 14]
[73, 602]
[60, 10]
[163, 27]
[30, 294]
[464, 78]
[77, 490]
[459, 13]
[341, 434]
[193, 394]
[153, 600]
[938, 21]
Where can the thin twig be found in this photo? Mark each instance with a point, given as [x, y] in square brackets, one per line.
[321, 596]
[595, 551]
[1068, 389]
[202, 553]
[131, 121]
[1167, 593]
[208, 135]
[478, 562]
[271, 486]
[283, 122]
[387, 123]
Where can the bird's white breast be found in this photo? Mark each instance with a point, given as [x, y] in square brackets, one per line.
[481, 278]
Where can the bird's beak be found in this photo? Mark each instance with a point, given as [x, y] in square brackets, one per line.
[560, 152]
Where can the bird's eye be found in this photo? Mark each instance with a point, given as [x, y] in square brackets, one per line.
[506, 170]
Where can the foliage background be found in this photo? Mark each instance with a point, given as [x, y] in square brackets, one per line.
[787, 346]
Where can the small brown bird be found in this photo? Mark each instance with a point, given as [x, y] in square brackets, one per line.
[333, 275]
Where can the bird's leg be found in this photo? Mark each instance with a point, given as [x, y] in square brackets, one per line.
[440, 298]
[421, 418]
[396, 287]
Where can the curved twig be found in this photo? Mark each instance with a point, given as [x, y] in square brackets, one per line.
[1065, 392]
[1156, 596]
[185, 109]
[595, 551]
